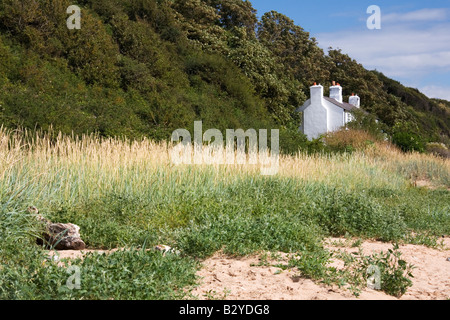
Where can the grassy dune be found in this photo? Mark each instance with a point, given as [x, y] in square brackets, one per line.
[128, 194]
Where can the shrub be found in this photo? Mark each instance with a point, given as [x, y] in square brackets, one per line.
[348, 140]
[241, 235]
[313, 264]
[356, 214]
[438, 149]
[406, 136]
[368, 123]
[292, 141]
[395, 274]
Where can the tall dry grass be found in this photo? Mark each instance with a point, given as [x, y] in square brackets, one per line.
[46, 166]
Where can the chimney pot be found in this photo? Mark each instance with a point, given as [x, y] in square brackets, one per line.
[336, 92]
[316, 93]
[355, 100]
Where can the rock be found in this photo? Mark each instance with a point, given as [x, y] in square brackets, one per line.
[64, 236]
[166, 249]
[59, 236]
[163, 248]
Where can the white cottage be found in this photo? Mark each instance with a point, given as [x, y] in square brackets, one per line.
[322, 114]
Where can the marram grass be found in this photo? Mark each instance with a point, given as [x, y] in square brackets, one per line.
[66, 168]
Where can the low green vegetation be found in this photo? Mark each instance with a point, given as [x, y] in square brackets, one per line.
[384, 271]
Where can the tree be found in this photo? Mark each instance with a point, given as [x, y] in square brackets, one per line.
[367, 122]
[293, 46]
[407, 137]
[200, 23]
[235, 13]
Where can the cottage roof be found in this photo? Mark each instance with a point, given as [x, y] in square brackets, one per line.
[303, 108]
[344, 105]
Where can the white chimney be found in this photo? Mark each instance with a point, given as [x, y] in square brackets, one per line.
[316, 94]
[336, 92]
[355, 100]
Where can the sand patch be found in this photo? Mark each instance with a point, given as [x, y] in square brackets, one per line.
[253, 278]
[244, 279]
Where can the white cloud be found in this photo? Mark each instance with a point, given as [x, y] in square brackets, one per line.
[394, 41]
[401, 49]
[434, 91]
[418, 15]
[412, 64]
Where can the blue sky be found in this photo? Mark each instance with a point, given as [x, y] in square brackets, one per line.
[413, 45]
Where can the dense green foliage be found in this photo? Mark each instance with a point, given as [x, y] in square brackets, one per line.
[147, 67]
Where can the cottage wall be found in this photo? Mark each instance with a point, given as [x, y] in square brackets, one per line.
[315, 121]
[335, 118]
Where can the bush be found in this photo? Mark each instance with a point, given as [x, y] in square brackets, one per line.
[292, 141]
[408, 142]
[395, 274]
[406, 136]
[438, 149]
[368, 123]
[348, 141]
[241, 235]
[356, 214]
